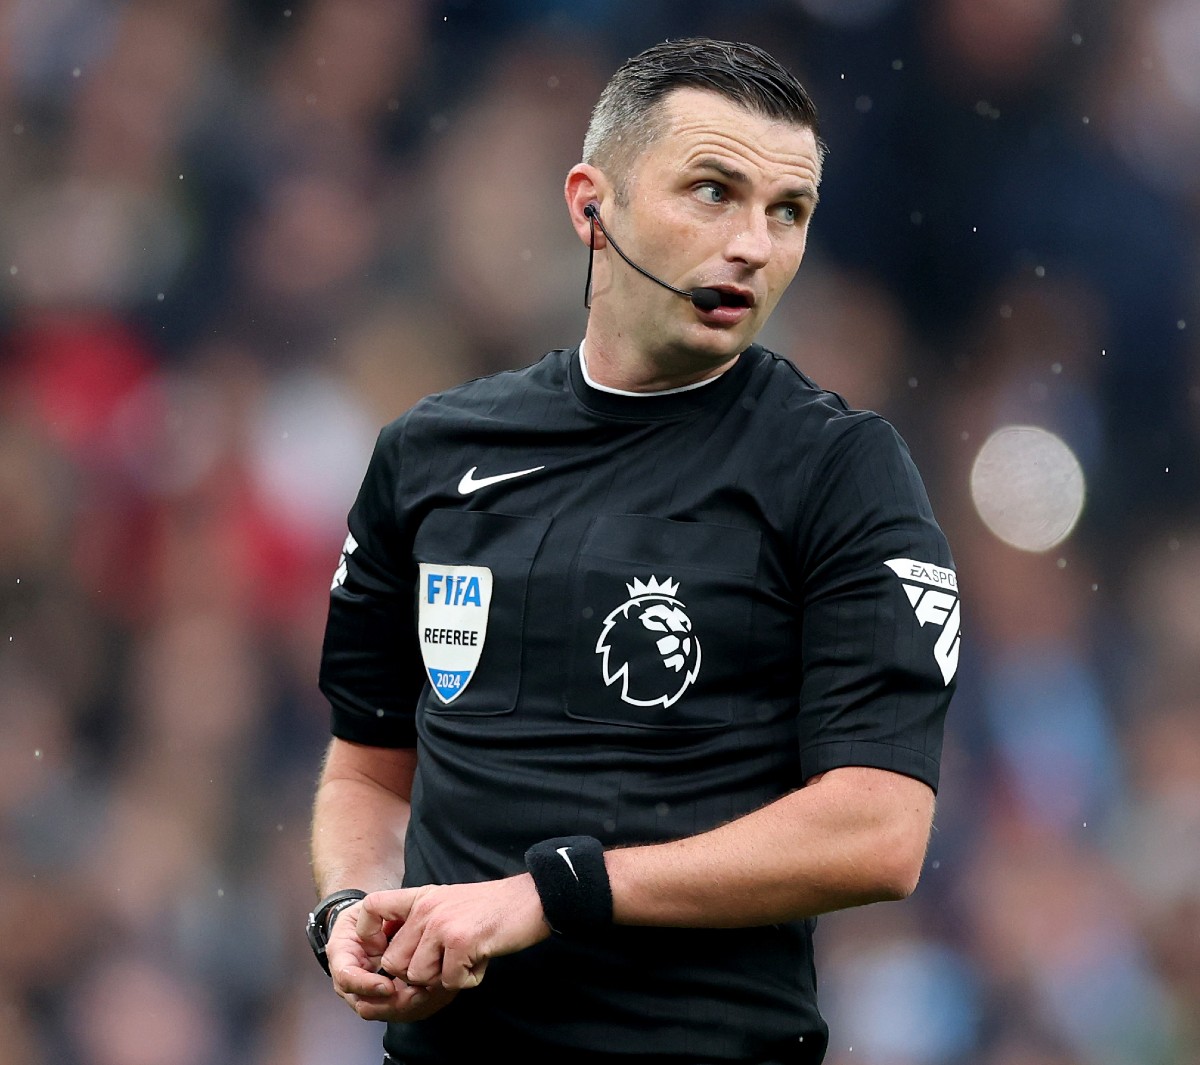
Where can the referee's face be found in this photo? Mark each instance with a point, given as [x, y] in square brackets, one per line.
[721, 199]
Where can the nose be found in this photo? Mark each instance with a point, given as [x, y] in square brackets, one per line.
[750, 241]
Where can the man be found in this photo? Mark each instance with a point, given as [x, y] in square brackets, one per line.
[639, 656]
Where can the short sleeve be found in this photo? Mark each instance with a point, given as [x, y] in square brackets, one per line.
[880, 638]
[370, 662]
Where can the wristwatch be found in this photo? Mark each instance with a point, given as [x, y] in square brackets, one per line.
[320, 921]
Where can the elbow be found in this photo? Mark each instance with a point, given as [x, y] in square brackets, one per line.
[897, 883]
[898, 870]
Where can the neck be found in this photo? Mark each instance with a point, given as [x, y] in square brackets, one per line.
[617, 366]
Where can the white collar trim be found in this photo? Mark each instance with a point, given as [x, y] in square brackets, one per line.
[638, 395]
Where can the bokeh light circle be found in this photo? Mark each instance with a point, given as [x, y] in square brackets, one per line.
[1028, 487]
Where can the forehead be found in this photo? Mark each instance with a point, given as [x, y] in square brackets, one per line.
[697, 124]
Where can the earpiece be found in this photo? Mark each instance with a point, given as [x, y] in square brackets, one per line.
[592, 210]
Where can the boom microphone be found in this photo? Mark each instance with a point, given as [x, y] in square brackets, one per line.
[704, 299]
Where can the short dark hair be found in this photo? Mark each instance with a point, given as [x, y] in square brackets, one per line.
[624, 122]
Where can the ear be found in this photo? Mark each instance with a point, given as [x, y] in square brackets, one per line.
[586, 184]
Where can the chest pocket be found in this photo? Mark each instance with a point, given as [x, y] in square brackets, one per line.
[474, 576]
[661, 613]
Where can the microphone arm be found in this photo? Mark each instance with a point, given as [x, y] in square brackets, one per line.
[704, 299]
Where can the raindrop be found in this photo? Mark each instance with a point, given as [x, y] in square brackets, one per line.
[662, 809]
[526, 254]
[552, 81]
[1077, 38]
[1086, 120]
[279, 828]
[76, 72]
[974, 229]
[1167, 470]
[863, 104]
[287, 12]
[220, 892]
[1062, 563]
[1056, 367]
[379, 711]
[37, 753]
[1103, 351]
[393, 104]
[1039, 271]
[912, 382]
[916, 218]
[1172, 544]
[936, 863]
[310, 99]
[897, 64]
[1005, 310]
[161, 296]
[1085, 824]
[1181, 324]
[966, 436]
[12, 270]
[1095, 587]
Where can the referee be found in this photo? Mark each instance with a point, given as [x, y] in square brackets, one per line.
[638, 657]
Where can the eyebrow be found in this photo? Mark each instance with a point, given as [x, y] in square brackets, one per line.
[736, 177]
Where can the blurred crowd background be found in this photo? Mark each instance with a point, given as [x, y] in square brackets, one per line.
[238, 236]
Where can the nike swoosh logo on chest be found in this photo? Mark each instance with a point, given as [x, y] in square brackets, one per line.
[470, 483]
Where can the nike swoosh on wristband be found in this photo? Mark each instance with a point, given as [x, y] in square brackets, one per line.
[566, 857]
[470, 483]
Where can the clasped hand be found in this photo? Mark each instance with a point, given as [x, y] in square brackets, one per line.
[402, 955]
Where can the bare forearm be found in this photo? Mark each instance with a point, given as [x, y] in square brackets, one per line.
[818, 849]
[359, 822]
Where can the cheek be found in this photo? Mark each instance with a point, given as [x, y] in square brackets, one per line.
[787, 262]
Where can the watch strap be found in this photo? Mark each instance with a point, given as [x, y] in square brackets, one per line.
[320, 921]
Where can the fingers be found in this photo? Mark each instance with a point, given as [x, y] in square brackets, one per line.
[450, 931]
[436, 951]
[401, 1003]
[426, 964]
[460, 970]
[353, 979]
[381, 908]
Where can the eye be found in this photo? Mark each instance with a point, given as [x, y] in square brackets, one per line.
[788, 213]
[710, 192]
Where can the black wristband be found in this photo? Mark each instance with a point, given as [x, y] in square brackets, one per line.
[572, 882]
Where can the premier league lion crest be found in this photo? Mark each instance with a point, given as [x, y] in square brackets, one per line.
[648, 645]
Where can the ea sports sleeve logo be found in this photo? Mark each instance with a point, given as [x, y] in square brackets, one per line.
[648, 645]
[933, 593]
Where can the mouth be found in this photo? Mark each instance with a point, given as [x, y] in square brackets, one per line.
[733, 296]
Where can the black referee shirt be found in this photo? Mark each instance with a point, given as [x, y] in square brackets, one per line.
[635, 618]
